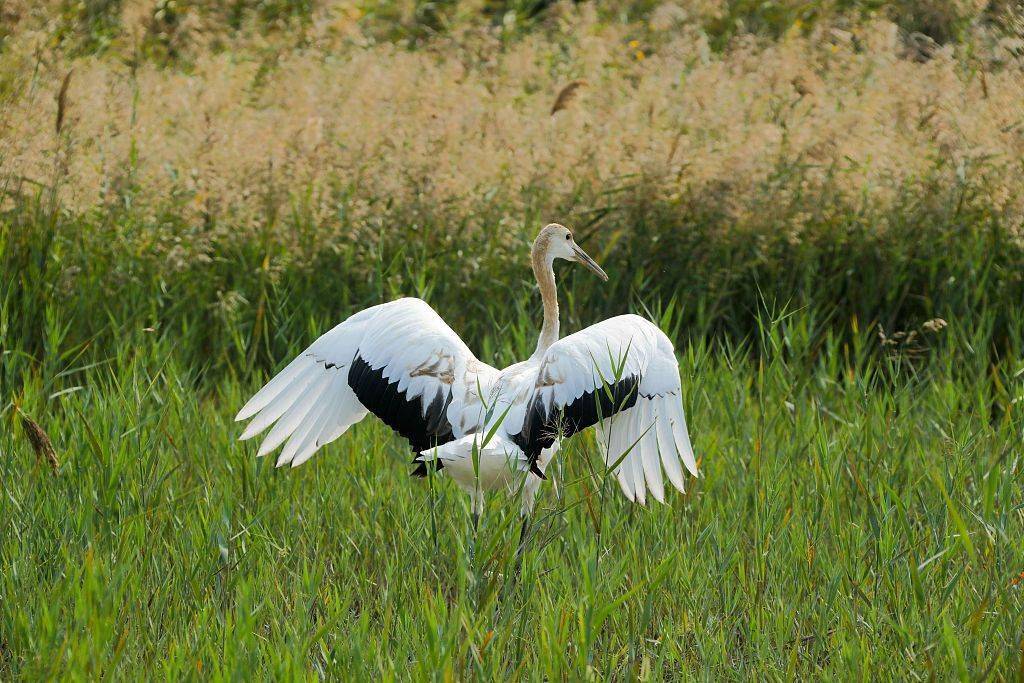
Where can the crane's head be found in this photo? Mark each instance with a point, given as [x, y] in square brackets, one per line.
[556, 241]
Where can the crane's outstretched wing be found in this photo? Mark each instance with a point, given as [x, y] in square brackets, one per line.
[398, 360]
[622, 376]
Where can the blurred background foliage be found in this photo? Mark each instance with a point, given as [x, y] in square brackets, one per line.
[223, 173]
[95, 26]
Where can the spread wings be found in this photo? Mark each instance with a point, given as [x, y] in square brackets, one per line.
[399, 361]
[622, 376]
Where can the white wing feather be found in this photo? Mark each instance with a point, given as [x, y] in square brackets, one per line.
[310, 402]
[652, 433]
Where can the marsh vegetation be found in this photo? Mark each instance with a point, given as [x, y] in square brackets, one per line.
[819, 202]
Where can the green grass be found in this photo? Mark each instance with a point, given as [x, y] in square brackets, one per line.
[859, 516]
[861, 506]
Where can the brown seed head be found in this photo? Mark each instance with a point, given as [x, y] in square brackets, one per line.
[566, 96]
[39, 440]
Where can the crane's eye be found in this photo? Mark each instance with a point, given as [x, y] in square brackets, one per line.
[568, 236]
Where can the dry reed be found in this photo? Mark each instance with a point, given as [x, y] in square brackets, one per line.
[467, 118]
[40, 441]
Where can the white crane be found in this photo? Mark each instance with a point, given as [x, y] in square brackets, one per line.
[485, 428]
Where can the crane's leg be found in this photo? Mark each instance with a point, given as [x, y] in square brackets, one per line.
[476, 509]
[526, 512]
[530, 487]
[524, 533]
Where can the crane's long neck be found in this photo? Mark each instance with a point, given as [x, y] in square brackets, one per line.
[545, 274]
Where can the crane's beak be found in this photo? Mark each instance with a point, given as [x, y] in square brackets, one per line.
[584, 258]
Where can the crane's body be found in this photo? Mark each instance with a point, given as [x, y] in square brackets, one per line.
[488, 429]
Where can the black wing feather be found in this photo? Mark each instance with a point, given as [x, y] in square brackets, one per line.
[542, 426]
[423, 429]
